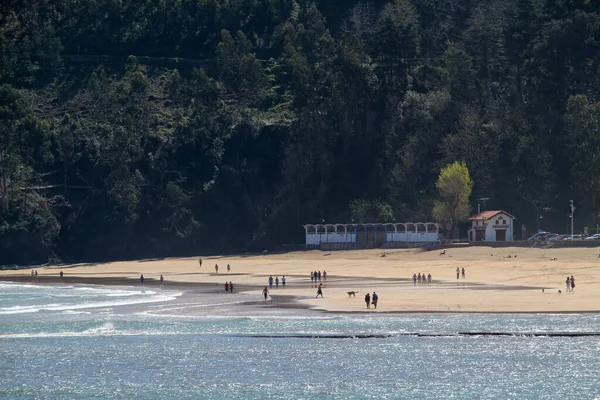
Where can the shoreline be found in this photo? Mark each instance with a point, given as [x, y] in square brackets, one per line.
[494, 284]
[277, 301]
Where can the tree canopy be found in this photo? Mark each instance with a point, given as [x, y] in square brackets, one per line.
[171, 127]
[454, 186]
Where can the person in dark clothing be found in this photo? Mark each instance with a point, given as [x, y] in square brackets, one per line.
[368, 300]
[320, 291]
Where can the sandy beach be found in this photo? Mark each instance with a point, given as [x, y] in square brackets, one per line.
[493, 282]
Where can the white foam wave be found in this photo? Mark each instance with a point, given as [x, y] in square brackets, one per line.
[106, 329]
[142, 299]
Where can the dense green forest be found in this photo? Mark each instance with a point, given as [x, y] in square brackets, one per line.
[167, 127]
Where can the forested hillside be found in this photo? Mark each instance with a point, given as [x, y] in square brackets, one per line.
[169, 127]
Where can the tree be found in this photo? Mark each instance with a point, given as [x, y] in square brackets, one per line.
[583, 126]
[454, 185]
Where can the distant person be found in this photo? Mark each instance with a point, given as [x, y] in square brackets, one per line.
[572, 283]
[277, 282]
[36, 274]
[568, 282]
[320, 291]
[319, 275]
[283, 280]
[414, 279]
[226, 287]
[324, 275]
[230, 287]
[216, 268]
[61, 274]
[375, 299]
[200, 262]
[32, 273]
[312, 276]
[368, 300]
[271, 282]
[228, 268]
[142, 278]
[419, 278]
[457, 272]
[429, 278]
[161, 279]
[265, 293]
[463, 272]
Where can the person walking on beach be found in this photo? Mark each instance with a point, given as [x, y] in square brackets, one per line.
[161, 279]
[228, 268]
[319, 275]
[200, 262]
[226, 287]
[265, 293]
[457, 272]
[230, 287]
[277, 282]
[568, 284]
[283, 281]
[375, 299]
[216, 268]
[414, 279]
[324, 275]
[463, 272]
[312, 277]
[319, 291]
[429, 278]
[572, 283]
[61, 274]
[368, 300]
[419, 278]
[142, 279]
[271, 282]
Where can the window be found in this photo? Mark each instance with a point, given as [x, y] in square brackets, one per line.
[503, 222]
[497, 223]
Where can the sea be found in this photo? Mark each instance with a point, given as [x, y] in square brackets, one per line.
[78, 341]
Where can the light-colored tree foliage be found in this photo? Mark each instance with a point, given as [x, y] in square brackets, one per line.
[454, 186]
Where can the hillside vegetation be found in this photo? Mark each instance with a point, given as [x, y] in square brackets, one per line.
[163, 127]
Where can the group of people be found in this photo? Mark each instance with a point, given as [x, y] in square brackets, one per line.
[229, 287]
[371, 300]
[421, 279]
[216, 266]
[570, 283]
[276, 281]
[34, 273]
[458, 272]
[316, 276]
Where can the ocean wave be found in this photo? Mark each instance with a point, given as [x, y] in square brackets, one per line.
[142, 299]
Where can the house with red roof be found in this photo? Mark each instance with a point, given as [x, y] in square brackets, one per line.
[492, 226]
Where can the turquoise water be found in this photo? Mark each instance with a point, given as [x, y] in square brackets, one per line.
[66, 342]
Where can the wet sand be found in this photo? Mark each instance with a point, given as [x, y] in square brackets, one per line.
[493, 282]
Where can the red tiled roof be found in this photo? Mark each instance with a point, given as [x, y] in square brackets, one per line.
[485, 215]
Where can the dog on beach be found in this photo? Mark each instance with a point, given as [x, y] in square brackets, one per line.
[443, 253]
[352, 293]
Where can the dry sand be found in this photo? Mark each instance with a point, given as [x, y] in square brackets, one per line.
[493, 283]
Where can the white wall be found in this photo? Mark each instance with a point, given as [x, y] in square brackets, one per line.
[490, 231]
[331, 237]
